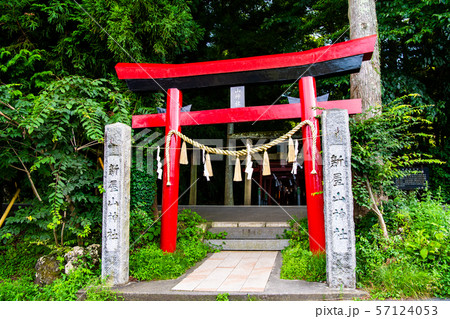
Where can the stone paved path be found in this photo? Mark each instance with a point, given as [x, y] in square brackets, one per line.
[231, 271]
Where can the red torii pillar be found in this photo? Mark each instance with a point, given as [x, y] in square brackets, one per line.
[313, 182]
[332, 60]
[169, 207]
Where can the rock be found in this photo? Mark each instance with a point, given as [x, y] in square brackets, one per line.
[47, 267]
[95, 251]
[77, 257]
[72, 259]
[47, 270]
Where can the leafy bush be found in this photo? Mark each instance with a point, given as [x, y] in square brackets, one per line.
[18, 290]
[143, 229]
[149, 262]
[444, 283]
[414, 262]
[19, 261]
[143, 184]
[300, 263]
[298, 230]
[56, 137]
[62, 289]
[401, 280]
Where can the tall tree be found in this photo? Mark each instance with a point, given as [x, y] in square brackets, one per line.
[366, 84]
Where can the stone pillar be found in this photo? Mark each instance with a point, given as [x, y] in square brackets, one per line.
[116, 204]
[338, 200]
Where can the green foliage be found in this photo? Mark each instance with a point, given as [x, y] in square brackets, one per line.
[66, 288]
[414, 53]
[18, 273]
[18, 290]
[298, 230]
[19, 261]
[414, 262]
[298, 261]
[143, 186]
[91, 37]
[427, 237]
[401, 280]
[444, 283]
[143, 229]
[30, 224]
[223, 297]
[99, 292]
[57, 92]
[382, 145]
[62, 289]
[150, 262]
[55, 136]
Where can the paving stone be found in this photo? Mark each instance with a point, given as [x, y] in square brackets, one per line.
[214, 280]
[232, 260]
[190, 283]
[257, 280]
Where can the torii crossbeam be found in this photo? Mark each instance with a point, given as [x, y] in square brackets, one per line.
[337, 59]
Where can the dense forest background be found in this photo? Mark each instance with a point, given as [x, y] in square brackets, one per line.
[59, 88]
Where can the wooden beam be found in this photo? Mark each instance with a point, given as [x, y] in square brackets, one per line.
[247, 114]
[339, 58]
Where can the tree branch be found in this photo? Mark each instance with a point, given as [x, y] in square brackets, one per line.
[8, 105]
[18, 168]
[376, 209]
[92, 143]
[29, 176]
[9, 119]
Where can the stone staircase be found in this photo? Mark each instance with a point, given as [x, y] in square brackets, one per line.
[250, 235]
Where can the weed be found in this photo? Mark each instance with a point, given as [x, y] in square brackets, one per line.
[151, 263]
[223, 297]
[300, 263]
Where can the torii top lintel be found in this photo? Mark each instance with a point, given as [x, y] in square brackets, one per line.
[337, 59]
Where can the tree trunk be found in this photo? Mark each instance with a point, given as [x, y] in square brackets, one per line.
[365, 85]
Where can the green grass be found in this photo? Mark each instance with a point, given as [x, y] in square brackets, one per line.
[300, 263]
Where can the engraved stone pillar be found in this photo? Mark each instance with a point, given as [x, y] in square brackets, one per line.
[116, 204]
[338, 200]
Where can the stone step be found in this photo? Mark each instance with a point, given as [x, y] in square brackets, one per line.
[249, 224]
[249, 244]
[250, 232]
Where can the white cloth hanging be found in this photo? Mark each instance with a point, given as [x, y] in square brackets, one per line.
[159, 170]
[248, 164]
[295, 164]
[205, 169]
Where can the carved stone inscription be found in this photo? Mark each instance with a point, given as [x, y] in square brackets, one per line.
[116, 204]
[338, 200]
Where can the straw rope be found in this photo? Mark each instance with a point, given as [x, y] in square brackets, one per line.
[256, 149]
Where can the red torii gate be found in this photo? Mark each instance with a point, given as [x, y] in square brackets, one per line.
[337, 59]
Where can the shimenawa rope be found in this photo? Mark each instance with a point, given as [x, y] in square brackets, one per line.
[257, 149]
